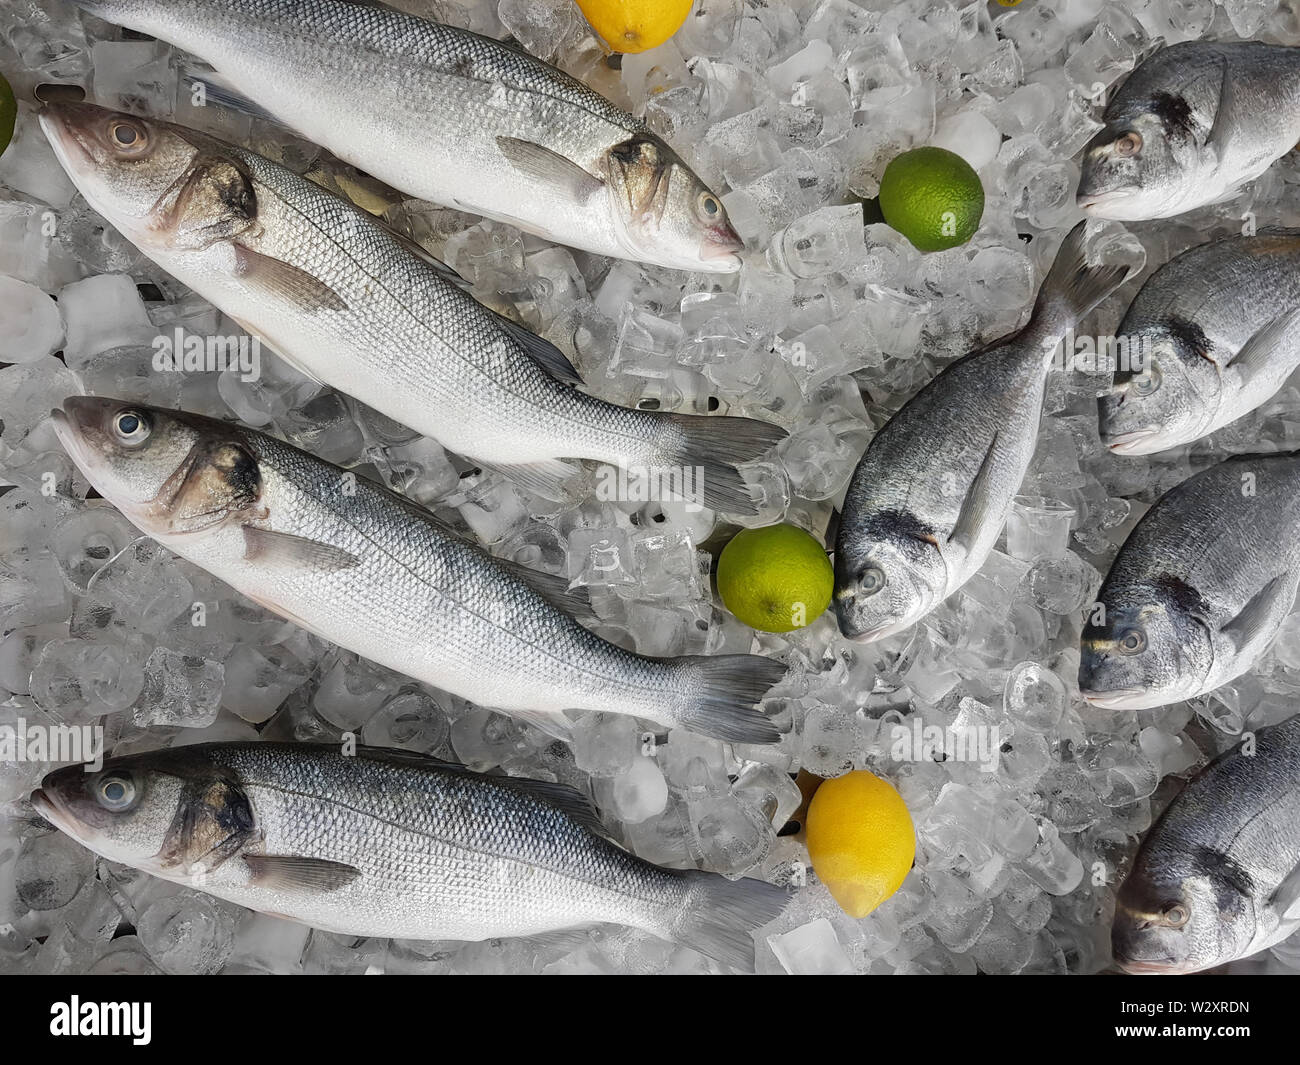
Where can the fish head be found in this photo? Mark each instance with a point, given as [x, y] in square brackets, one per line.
[1176, 919]
[1135, 168]
[1144, 651]
[885, 585]
[1155, 405]
[664, 213]
[170, 473]
[173, 813]
[162, 185]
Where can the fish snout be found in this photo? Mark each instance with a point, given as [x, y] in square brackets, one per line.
[1135, 442]
[722, 246]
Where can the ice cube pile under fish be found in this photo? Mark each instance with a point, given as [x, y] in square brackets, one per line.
[372, 842]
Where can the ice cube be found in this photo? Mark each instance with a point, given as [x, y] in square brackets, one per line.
[134, 76]
[101, 313]
[29, 165]
[412, 721]
[85, 540]
[812, 949]
[970, 134]
[605, 745]
[636, 794]
[1039, 528]
[188, 933]
[179, 689]
[83, 679]
[30, 323]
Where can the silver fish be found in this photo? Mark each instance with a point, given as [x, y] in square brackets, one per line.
[1200, 587]
[353, 305]
[1212, 335]
[373, 572]
[391, 844]
[1190, 126]
[1218, 876]
[928, 500]
[453, 117]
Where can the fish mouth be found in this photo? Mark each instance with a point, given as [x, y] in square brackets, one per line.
[1121, 699]
[58, 123]
[1150, 968]
[877, 632]
[1135, 442]
[1116, 204]
[48, 807]
[721, 249]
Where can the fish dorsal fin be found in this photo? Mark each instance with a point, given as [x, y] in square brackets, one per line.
[1286, 899]
[300, 288]
[1262, 614]
[273, 548]
[316, 876]
[1256, 354]
[978, 505]
[540, 350]
[550, 168]
[564, 798]
[555, 590]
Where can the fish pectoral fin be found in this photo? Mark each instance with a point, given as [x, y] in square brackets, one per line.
[555, 590]
[268, 546]
[1256, 353]
[1221, 131]
[287, 873]
[304, 291]
[540, 350]
[1286, 899]
[549, 167]
[979, 504]
[217, 90]
[1261, 614]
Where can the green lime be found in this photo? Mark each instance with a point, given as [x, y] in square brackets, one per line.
[775, 579]
[933, 197]
[8, 113]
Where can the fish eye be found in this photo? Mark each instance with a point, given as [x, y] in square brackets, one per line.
[127, 137]
[710, 208]
[872, 580]
[131, 427]
[1175, 915]
[1148, 381]
[1129, 144]
[115, 792]
[1132, 642]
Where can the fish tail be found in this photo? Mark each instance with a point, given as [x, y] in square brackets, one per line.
[1072, 288]
[718, 916]
[722, 693]
[702, 452]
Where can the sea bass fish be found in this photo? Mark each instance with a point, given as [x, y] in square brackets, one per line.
[1200, 587]
[1190, 126]
[447, 115]
[375, 573]
[928, 500]
[1218, 876]
[1212, 335]
[351, 304]
[390, 843]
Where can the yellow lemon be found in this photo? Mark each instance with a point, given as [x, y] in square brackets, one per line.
[775, 579]
[860, 839]
[635, 25]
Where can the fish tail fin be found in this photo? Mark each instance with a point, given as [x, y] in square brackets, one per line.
[1072, 288]
[718, 916]
[722, 693]
[703, 451]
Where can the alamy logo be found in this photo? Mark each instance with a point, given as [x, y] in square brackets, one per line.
[53, 743]
[1102, 354]
[74, 1017]
[645, 484]
[934, 743]
[192, 353]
